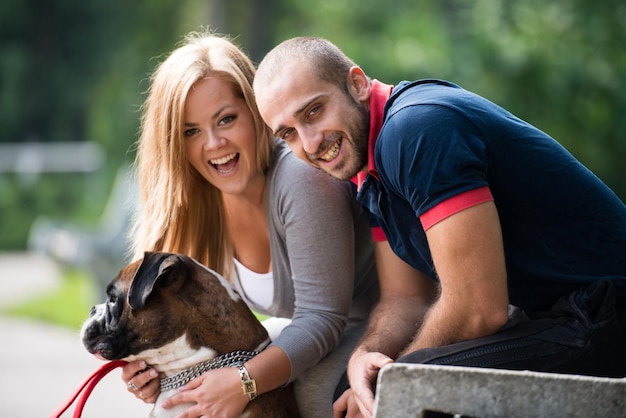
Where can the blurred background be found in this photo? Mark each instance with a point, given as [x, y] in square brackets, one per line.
[73, 75]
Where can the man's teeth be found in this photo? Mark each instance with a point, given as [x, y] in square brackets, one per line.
[332, 152]
[223, 160]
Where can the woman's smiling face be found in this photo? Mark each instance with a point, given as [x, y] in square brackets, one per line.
[220, 136]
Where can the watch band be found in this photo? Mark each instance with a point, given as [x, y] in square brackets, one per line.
[248, 385]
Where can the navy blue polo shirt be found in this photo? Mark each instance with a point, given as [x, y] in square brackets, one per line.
[562, 227]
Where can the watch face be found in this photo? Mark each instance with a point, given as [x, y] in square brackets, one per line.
[249, 386]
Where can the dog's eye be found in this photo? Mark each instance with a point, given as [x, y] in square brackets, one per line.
[112, 300]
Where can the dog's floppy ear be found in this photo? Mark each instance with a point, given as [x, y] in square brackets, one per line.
[153, 267]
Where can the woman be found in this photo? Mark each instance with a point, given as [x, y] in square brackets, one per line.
[216, 186]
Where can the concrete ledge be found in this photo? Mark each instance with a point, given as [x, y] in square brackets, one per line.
[411, 390]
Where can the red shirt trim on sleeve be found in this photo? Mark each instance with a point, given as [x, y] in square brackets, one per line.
[454, 205]
[378, 235]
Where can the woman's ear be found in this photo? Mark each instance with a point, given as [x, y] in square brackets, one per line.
[359, 85]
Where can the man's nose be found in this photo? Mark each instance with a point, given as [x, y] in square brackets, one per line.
[311, 140]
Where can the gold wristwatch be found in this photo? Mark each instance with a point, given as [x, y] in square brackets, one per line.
[248, 385]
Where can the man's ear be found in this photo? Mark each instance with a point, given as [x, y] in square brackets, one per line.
[359, 85]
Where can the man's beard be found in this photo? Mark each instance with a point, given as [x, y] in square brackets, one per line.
[357, 135]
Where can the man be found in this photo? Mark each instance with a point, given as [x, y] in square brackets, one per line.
[494, 232]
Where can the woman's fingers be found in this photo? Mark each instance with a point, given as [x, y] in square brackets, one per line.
[141, 380]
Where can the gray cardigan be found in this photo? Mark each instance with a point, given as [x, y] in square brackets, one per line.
[322, 259]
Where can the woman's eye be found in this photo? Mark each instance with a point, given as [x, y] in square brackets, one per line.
[226, 119]
[190, 132]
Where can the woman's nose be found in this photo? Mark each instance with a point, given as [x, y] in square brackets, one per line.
[213, 141]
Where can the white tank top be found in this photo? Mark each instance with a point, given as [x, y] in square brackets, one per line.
[258, 287]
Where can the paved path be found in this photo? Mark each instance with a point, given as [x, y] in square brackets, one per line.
[42, 364]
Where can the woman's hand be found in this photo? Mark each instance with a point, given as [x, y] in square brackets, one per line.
[216, 393]
[142, 381]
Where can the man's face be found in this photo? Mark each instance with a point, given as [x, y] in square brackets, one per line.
[320, 122]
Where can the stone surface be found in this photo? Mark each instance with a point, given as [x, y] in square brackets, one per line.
[410, 390]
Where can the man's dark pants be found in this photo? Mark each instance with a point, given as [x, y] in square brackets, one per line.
[583, 333]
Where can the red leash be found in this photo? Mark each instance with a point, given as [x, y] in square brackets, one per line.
[89, 384]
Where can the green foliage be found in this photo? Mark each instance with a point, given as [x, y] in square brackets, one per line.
[22, 198]
[68, 305]
[76, 71]
[558, 65]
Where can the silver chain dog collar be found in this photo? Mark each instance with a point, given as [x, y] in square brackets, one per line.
[225, 360]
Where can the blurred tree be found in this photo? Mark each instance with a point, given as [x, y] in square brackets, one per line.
[559, 65]
[75, 70]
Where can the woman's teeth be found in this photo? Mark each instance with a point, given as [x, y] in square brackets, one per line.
[223, 160]
[332, 152]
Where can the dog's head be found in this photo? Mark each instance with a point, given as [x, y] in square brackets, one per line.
[169, 300]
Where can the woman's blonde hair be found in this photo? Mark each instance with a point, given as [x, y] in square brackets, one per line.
[179, 210]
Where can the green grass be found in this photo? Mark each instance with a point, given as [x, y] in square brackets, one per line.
[68, 305]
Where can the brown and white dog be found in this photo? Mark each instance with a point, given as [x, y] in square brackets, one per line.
[180, 317]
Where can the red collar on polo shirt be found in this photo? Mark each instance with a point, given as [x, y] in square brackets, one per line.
[379, 94]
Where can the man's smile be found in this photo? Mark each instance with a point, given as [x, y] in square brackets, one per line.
[332, 152]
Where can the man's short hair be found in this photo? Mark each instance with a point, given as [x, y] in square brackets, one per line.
[328, 62]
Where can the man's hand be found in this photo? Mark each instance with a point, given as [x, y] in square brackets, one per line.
[346, 407]
[363, 370]
[405, 296]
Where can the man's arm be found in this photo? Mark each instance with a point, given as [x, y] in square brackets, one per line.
[468, 254]
[406, 295]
